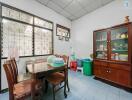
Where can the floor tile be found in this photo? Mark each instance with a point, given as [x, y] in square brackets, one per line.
[85, 88]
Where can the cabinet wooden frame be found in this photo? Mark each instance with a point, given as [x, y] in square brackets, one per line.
[0, 44]
[113, 70]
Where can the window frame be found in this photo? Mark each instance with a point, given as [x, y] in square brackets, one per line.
[33, 34]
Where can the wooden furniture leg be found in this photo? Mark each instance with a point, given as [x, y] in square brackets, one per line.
[67, 83]
[46, 86]
[53, 87]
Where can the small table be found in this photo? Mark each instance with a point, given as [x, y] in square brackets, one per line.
[38, 69]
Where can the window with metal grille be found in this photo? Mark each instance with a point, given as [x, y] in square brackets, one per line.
[43, 41]
[28, 34]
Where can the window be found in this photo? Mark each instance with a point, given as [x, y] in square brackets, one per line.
[43, 41]
[43, 37]
[42, 23]
[18, 15]
[30, 35]
[16, 35]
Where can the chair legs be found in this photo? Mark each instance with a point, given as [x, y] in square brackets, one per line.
[46, 86]
[53, 87]
[68, 85]
[65, 89]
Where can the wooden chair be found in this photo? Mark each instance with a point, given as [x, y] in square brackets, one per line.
[21, 90]
[55, 79]
[58, 77]
[17, 76]
[66, 60]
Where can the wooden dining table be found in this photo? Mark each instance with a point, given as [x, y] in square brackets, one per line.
[43, 69]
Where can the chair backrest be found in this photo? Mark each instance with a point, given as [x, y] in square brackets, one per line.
[66, 59]
[10, 79]
[14, 67]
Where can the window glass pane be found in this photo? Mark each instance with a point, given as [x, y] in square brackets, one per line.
[42, 23]
[101, 45]
[119, 44]
[43, 41]
[16, 35]
[14, 14]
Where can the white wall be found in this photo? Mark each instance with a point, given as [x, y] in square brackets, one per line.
[35, 8]
[82, 29]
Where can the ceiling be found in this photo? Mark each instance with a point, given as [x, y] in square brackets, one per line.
[74, 9]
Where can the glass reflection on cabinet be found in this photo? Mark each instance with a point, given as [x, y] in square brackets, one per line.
[119, 44]
[101, 45]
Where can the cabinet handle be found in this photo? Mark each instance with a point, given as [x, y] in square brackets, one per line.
[108, 41]
[109, 71]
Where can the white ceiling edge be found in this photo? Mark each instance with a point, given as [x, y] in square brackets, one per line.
[77, 17]
[52, 10]
[92, 11]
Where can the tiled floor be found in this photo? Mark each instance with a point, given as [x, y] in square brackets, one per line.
[86, 88]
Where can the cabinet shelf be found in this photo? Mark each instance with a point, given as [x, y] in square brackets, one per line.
[101, 40]
[119, 50]
[119, 39]
[101, 57]
[101, 50]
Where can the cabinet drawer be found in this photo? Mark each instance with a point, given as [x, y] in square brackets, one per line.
[97, 71]
[100, 63]
[120, 66]
[124, 78]
[101, 72]
[113, 75]
[104, 73]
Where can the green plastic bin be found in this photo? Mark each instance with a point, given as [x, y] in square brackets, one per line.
[87, 67]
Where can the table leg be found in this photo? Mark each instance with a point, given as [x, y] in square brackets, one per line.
[46, 86]
[65, 84]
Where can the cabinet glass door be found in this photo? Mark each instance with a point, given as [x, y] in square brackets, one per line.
[119, 44]
[101, 45]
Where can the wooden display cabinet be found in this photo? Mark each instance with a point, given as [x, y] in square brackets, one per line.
[113, 54]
